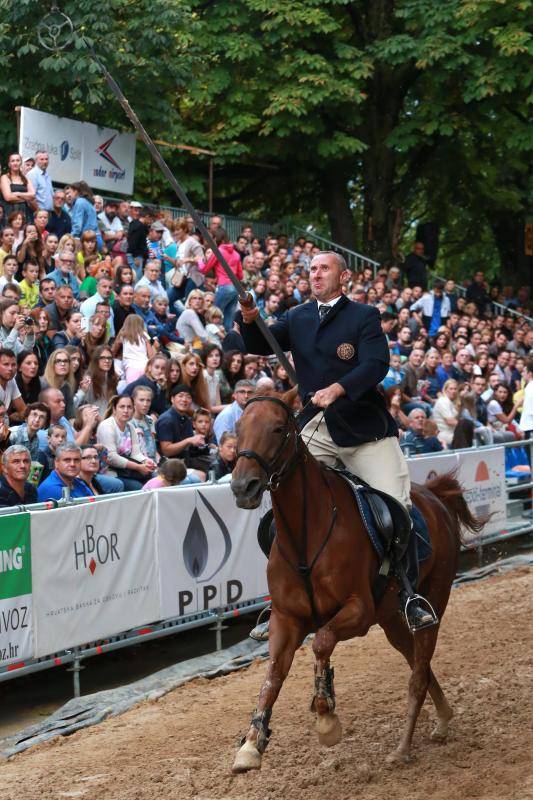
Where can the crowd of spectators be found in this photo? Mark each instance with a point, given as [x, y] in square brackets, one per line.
[122, 368]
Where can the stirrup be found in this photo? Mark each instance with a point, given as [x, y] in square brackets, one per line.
[421, 614]
[261, 631]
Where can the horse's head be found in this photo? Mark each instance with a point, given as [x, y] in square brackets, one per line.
[266, 442]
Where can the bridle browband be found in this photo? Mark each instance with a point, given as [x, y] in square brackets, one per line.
[269, 467]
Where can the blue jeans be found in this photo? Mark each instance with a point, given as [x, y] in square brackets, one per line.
[110, 484]
[226, 300]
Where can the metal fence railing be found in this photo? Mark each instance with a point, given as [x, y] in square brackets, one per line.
[356, 261]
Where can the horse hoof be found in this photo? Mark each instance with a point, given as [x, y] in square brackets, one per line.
[248, 757]
[329, 729]
[397, 758]
[438, 736]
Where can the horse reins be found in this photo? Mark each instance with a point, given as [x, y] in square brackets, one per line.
[274, 478]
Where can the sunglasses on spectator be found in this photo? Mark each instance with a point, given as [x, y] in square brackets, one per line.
[62, 360]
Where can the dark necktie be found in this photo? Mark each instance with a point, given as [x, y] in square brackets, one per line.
[323, 311]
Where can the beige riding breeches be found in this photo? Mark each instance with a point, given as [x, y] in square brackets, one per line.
[381, 464]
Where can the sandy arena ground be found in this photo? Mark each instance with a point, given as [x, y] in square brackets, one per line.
[183, 745]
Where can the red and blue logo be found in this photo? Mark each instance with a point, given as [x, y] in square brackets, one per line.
[103, 151]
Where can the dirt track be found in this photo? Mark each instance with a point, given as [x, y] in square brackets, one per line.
[183, 745]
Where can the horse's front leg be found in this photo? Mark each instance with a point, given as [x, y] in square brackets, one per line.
[354, 619]
[285, 637]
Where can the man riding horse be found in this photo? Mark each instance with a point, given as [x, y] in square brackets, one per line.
[341, 355]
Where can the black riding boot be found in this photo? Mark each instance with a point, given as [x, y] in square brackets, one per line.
[265, 538]
[417, 611]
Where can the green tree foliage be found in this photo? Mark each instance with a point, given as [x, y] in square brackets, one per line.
[368, 115]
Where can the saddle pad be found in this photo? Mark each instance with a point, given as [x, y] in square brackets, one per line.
[419, 525]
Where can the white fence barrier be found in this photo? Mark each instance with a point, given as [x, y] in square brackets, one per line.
[91, 571]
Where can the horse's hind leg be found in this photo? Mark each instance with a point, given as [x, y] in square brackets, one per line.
[285, 638]
[408, 645]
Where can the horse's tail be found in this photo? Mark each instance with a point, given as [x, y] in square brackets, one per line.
[450, 492]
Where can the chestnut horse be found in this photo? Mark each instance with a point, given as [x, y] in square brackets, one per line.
[322, 568]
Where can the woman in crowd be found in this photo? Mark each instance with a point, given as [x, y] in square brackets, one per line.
[16, 221]
[212, 356]
[100, 269]
[123, 277]
[90, 466]
[27, 376]
[232, 371]
[393, 400]
[429, 374]
[31, 249]
[191, 322]
[87, 257]
[85, 423]
[445, 412]
[442, 340]
[282, 382]
[15, 334]
[118, 435]
[79, 378]
[467, 410]
[214, 327]
[50, 249]
[154, 378]
[40, 220]
[258, 291]
[226, 294]
[501, 410]
[102, 379]
[143, 422]
[135, 345]
[57, 374]
[18, 192]
[183, 255]
[481, 365]
[172, 375]
[165, 328]
[67, 243]
[193, 376]
[43, 347]
[96, 336]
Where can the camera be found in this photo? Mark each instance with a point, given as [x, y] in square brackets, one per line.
[29, 321]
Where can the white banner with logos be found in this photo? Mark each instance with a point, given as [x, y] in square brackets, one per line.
[482, 474]
[16, 630]
[102, 157]
[95, 571]
[208, 551]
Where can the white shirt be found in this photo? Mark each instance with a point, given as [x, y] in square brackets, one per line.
[526, 418]
[11, 392]
[330, 303]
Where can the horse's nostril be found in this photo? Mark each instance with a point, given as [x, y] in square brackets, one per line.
[245, 487]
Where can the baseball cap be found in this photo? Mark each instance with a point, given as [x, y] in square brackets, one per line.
[179, 388]
[135, 204]
[157, 226]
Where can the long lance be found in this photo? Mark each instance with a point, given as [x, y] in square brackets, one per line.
[167, 172]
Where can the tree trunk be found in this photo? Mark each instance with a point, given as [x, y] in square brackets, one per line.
[508, 228]
[336, 203]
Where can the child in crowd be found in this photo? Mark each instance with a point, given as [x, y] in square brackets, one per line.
[10, 267]
[37, 417]
[136, 347]
[225, 461]
[29, 285]
[215, 325]
[57, 434]
[170, 472]
[201, 457]
[145, 425]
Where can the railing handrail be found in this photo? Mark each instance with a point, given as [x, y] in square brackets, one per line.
[351, 254]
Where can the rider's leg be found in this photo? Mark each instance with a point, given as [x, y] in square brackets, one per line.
[383, 466]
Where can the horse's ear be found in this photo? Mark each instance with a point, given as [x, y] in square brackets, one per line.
[290, 396]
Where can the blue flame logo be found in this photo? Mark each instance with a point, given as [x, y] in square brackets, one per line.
[64, 149]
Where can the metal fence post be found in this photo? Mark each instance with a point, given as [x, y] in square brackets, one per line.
[218, 627]
[76, 668]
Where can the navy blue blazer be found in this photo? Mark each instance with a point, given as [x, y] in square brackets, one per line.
[347, 347]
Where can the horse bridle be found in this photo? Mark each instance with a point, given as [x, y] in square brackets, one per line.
[269, 467]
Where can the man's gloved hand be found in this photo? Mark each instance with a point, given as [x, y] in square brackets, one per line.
[249, 309]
